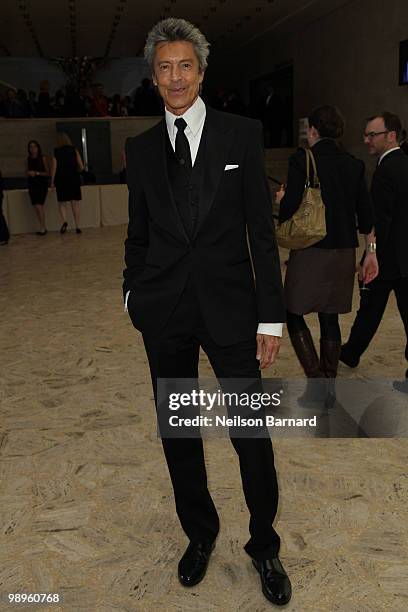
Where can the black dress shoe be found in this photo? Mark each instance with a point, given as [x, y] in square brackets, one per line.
[63, 227]
[347, 358]
[78, 230]
[275, 582]
[42, 233]
[193, 564]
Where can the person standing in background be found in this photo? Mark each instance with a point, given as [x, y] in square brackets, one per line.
[59, 104]
[389, 192]
[12, 105]
[38, 171]
[66, 166]
[99, 106]
[32, 103]
[115, 106]
[146, 102]
[44, 102]
[23, 101]
[4, 231]
[320, 278]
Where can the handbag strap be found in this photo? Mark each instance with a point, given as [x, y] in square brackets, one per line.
[307, 184]
[310, 158]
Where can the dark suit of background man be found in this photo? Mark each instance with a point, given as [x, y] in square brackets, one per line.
[390, 198]
[196, 185]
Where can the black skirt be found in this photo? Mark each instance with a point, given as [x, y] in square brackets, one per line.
[67, 178]
[37, 189]
[68, 188]
[320, 280]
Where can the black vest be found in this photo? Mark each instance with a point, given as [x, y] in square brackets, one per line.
[186, 187]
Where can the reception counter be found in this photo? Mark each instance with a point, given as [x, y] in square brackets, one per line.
[101, 205]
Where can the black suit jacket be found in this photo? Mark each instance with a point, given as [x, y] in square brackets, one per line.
[389, 191]
[344, 193]
[160, 258]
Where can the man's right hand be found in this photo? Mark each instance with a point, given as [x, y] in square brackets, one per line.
[267, 349]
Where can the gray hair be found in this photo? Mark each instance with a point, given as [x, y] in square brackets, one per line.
[172, 30]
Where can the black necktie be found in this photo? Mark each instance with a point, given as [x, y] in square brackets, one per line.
[183, 153]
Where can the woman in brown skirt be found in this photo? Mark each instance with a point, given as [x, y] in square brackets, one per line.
[320, 278]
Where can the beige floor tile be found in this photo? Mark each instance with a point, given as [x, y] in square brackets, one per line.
[86, 504]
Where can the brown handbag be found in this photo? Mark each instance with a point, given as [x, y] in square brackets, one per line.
[308, 224]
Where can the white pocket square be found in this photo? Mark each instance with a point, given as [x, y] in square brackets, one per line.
[231, 167]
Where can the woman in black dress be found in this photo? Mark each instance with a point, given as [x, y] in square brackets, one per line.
[66, 166]
[38, 172]
[320, 278]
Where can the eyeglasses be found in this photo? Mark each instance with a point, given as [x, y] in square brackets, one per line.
[372, 135]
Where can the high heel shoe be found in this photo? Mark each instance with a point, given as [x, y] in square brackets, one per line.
[63, 227]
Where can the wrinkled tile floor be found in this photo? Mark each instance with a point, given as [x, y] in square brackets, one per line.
[86, 505]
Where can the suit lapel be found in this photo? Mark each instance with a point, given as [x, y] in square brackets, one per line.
[218, 141]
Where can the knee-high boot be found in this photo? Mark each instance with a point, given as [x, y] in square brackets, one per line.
[329, 361]
[329, 357]
[305, 350]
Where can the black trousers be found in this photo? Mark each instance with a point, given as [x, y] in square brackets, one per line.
[174, 353]
[372, 306]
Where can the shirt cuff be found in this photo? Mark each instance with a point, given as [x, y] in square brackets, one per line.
[126, 300]
[271, 329]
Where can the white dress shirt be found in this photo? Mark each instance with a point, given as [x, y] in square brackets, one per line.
[195, 117]
[386, 153]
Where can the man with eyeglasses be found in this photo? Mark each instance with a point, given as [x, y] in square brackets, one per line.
[389, 193]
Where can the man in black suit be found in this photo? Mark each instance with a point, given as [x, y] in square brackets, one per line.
[389, 192]
[197, 186]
